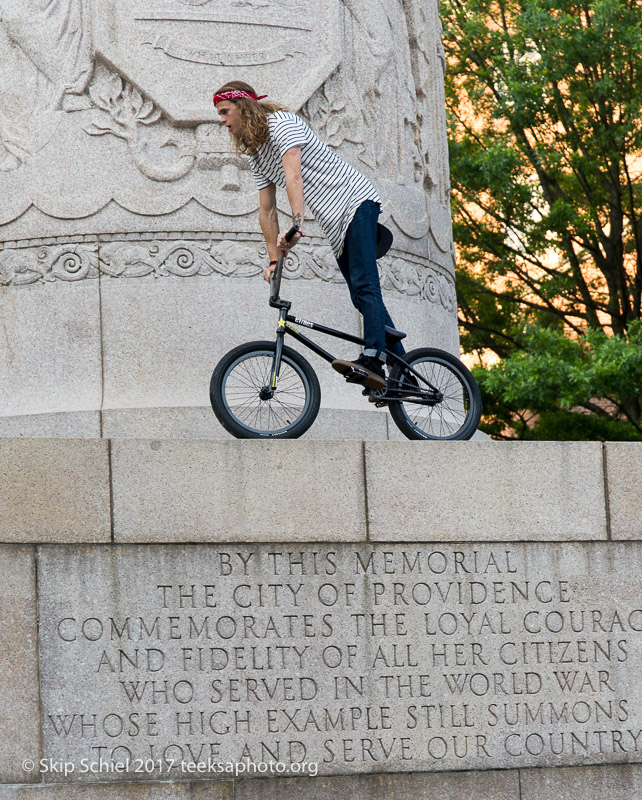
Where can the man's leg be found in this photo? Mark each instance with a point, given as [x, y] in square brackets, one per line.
[358, 265]
[361, 247]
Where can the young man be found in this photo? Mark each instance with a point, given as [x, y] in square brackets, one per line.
[283, 151]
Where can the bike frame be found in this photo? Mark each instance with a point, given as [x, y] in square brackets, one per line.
[284, 326]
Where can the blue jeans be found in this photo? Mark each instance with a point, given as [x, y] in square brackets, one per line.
[358, 265]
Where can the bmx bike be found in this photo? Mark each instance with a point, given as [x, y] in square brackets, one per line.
[267, 390]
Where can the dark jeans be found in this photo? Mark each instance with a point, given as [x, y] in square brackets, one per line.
[358, 265]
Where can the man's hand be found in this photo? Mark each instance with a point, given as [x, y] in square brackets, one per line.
[268, 271]
[284, 246]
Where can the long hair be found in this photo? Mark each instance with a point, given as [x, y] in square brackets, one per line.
[254, 118]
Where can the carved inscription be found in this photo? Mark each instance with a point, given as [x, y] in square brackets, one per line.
[358, 658]
[222, 58]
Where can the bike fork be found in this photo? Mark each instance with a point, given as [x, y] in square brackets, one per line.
[276, 364]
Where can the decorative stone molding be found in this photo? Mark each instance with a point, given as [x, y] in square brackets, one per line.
[68, 262]
[185, 256]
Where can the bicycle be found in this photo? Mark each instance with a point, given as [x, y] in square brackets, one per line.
[267, 390]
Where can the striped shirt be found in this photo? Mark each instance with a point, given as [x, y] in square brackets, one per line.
[333, 189]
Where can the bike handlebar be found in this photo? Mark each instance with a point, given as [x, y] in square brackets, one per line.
[275, 280]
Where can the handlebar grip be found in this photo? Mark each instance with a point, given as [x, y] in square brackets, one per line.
[291, 233]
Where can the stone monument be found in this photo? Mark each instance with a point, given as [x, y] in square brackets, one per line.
[185, 618]
[130, 250]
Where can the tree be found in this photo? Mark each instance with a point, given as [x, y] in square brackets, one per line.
[544, 101]
[561, 387]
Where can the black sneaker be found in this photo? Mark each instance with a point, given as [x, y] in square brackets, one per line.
[364, 370]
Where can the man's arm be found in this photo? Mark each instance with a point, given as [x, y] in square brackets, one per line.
[294, 188]
[268, 219]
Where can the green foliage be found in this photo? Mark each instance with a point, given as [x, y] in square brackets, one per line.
[584, 388]
[544, 102]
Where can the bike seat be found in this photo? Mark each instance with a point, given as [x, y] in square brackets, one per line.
[394, 335]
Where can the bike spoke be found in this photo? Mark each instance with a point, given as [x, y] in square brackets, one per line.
[249, 377]
[447, 416]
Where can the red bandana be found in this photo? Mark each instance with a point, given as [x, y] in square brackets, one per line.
[234, 93]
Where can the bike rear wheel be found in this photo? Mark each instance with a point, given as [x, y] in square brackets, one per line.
[239, 391]
[454, 416]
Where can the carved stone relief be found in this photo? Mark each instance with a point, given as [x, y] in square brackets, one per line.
[187, 258]
[123, 112]
[178, 52]
[56, 99]
[387, 123]
[45, 65]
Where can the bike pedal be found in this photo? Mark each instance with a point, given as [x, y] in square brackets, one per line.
[355, 375]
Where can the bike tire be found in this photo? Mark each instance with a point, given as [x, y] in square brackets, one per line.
[454, 418]
[238, 379]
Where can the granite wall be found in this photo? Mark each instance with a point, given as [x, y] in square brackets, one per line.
[342, 618]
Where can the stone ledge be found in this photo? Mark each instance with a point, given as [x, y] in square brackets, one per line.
[332, 424]
[489, 785]
[617, 782]
[58, 491]
[54, 490]
[624, 478]
[170, 790]
[204, 491]
[489, 491]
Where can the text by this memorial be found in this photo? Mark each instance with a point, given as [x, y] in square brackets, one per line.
[359, 658]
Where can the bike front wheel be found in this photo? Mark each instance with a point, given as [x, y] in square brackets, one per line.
[448, 403]
[246, 406]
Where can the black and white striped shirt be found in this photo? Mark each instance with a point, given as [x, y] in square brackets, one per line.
[333, 190]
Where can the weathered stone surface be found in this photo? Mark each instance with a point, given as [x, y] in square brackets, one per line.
[467, 491]
[624, 479]
[168, 373]
[54, 490]
[200, 423]
[213, 491]
[484, 786]
[621, 782]
[209, 790]
[74, 425]
[346, 658]
[50, 348]
[170, 357]
[219, 790]
[19, 693]
[452, 786]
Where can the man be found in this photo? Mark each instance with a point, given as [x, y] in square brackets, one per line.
[283, 151]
